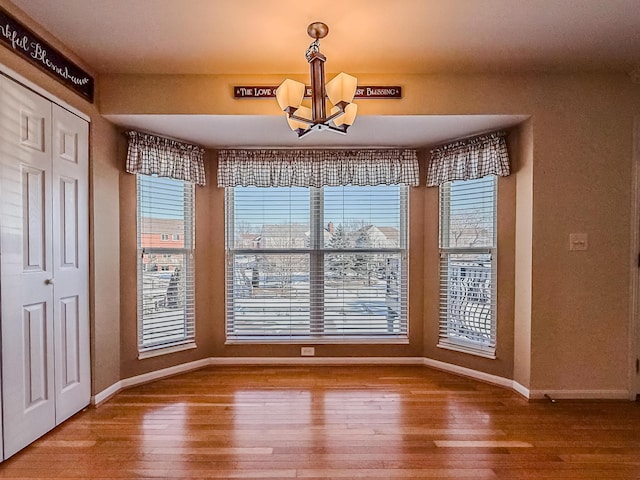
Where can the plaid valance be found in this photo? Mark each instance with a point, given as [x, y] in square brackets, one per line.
[153, 155]
[468, 159]
[317, 168]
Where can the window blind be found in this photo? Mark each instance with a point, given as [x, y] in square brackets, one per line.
[316, 263]
[467, 264]
[165, 235]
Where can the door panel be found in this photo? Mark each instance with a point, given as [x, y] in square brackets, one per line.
[33, 219]
[70, 340]
[70, 262]
[32, 130]
[35, 354]
[69, 222]
[27, 293]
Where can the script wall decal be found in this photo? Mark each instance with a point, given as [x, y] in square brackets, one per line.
[24, 42]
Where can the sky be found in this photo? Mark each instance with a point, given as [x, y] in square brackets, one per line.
[378, 205]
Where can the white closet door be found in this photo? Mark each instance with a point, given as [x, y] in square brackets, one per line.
[27, 266]
[70, 263]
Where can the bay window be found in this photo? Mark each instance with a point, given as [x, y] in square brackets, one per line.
[166, 174]
[316, 263]
[316, 244]
[467, 174]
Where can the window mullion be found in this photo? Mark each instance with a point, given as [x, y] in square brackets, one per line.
[316, 261]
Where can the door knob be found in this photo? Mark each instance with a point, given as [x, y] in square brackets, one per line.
[49, 281]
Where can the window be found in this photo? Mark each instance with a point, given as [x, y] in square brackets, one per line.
[175, 237]
[164, 237]
[467, 265]
[166, 313]
[323, 264]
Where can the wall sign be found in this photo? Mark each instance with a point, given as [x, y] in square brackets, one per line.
[361, 92]
[17, 37]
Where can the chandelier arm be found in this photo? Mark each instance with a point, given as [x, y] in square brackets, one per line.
[337, 114]
[293, 116]
[342, 129]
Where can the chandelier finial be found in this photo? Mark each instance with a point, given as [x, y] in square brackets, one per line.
[318, 30]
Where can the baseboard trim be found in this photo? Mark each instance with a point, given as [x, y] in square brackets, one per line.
[165, 372]
[301, 361]
[468, 372]
[106, 394]
[521, 389]
[316, 361]
[580, 394]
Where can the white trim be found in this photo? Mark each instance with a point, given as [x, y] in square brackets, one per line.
[468, 372]
[156, 352]
[317, 341]
[478, 351]
[317, 361]
[230, 361]
[634, 283]
[446, 367]
[41, 91]
[165, 372]
[580, 394]
[148, 377]
[107, 393]
[521, 389]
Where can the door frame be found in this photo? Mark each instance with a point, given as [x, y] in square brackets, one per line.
[634, 284]
[16, 77]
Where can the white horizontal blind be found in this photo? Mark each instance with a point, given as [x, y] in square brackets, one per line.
[467, 264]
[166, 290]
[317, 263]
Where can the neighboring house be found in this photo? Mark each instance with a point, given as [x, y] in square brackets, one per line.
[161, 233]
[372, 236]
[248, 240]
[284, 236]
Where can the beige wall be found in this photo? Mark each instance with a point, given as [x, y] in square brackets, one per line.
[567, 325]
[568, 322]
[523, 253]
[207, 280]
[104, 219]
[502, 365]
[210, 287]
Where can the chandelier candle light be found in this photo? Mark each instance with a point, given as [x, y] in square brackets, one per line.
[340, 91]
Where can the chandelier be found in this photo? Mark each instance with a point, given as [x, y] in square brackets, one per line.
[340, 91]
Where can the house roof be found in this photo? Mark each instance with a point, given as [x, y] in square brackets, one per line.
[162, 225]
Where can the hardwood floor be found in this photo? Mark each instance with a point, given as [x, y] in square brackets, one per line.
[335, 423]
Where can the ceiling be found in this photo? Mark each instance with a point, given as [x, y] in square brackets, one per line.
[399, 37]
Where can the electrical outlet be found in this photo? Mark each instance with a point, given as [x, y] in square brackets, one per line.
[578, 241]
[307, 351]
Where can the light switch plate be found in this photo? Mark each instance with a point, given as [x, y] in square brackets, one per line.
[578, 241]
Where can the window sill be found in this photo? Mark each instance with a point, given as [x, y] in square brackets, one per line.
[316, 341]
[156, 352]
[478, 351]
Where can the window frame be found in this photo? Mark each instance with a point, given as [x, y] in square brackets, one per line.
[317, 251]
[164, 253]
[447, 332]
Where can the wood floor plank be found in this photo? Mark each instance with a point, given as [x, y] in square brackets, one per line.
[331, 422]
